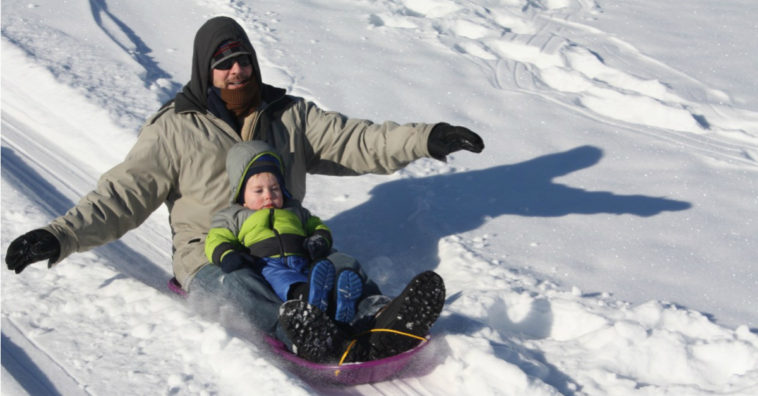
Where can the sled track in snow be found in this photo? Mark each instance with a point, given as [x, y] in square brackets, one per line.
[36, 371]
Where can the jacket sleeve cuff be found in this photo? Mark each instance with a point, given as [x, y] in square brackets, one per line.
[67, 239]
[220, 252]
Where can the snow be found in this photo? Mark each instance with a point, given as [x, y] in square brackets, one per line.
[604, 242]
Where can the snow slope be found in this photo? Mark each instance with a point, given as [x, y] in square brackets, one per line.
[603, 243]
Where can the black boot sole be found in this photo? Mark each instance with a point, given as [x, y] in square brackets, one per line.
[314, 336]
[414, 311]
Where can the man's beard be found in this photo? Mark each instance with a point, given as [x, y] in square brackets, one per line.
[242, 101]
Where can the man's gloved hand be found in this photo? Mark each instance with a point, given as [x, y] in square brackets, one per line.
[35, 245]
[317, 246]
[237, 260]
[445, 139]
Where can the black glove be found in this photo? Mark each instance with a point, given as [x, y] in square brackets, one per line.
[445, 139]
[237, 260]
[35, 245]
[317, 246]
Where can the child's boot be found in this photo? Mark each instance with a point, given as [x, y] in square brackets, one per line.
[348, 291]
[321, 284]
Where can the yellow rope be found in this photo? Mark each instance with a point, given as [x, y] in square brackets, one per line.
[344, 355]
[352, 343]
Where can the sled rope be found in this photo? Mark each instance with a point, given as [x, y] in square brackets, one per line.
[352, 343]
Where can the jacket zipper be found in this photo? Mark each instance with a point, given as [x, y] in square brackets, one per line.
[256, 121]
[276, 233]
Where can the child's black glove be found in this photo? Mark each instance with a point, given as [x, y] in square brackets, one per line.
[317, 246]
[36, 245]
[237, 260]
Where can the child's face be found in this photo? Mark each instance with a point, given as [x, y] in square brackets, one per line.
[262, 191]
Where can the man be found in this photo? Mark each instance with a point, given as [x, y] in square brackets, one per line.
[179, 160]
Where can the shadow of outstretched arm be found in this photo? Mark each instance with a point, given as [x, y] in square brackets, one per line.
[405, 219]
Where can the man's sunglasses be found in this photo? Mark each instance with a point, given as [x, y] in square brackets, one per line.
[243, 60]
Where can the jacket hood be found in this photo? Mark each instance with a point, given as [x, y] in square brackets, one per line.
[194, 95]
[241, 158]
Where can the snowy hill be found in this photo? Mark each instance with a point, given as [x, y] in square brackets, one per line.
[604, 243]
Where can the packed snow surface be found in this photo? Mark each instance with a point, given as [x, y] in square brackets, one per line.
[604, 243]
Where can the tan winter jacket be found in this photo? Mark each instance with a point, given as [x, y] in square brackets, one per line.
[179, 160]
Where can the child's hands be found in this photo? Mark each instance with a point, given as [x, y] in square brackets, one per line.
[317, 246]
[236, 260]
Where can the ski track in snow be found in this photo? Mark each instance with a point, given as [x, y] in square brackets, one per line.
[103, 320]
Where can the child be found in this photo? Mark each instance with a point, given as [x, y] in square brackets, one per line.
[264, 223]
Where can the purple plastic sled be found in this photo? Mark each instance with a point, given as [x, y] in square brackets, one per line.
[344, 374]
[175, 287]
[347, 373]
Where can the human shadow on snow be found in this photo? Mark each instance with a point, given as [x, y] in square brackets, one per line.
[401, 225]
[396, 235]
[117, 30]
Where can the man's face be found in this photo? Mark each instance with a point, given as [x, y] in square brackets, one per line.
[236, 76]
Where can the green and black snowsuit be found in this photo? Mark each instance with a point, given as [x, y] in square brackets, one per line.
[274, 235]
